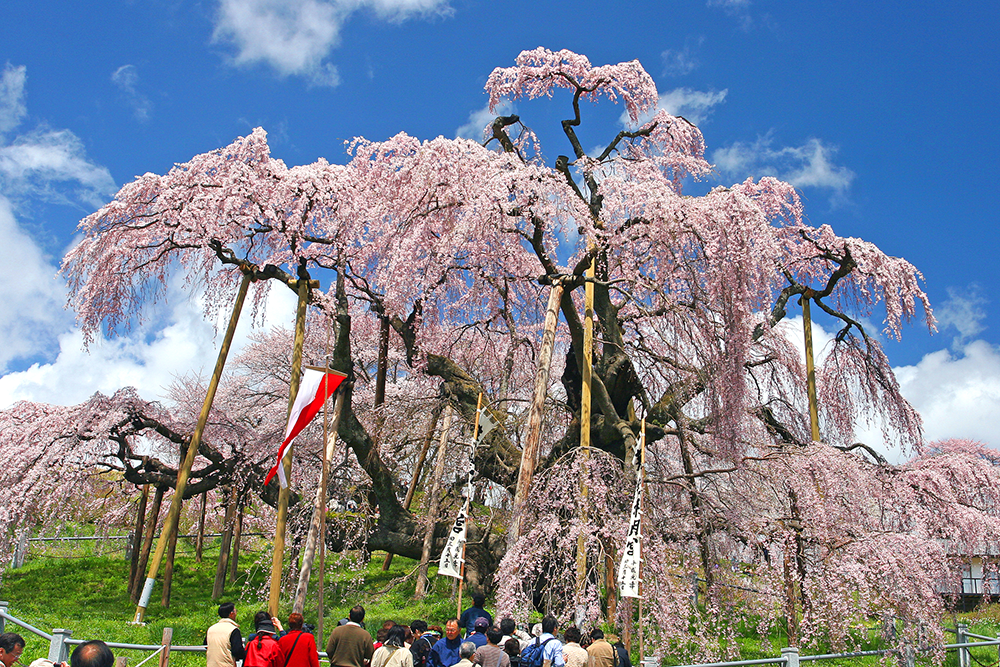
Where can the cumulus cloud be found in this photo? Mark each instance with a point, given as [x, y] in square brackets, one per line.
[149, 358]
[46, 163]
[958, 395]
[694, 105]
[964, 312]
[32, 296]
[51, 165]
[126, 78]
[479, 119]
[809, 165]
[296, 36]
[12, 107]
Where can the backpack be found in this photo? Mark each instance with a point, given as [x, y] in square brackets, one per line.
[262, 651]
[532, 654]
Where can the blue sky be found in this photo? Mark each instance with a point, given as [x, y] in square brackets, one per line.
[883, 114]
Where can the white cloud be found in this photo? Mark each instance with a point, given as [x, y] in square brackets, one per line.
[295, 36]
[957, 395]
[478, 120]
[964, 312]
[48, 164]
[43, 161]
[52, 164]
[12, 107]
[149, 358]
[694, 105]
[808, 165]
[126, 78]
[32, 296]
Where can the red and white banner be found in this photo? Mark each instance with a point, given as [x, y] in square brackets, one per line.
[314, 388]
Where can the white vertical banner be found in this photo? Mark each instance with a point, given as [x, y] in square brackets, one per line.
[452, 557]
[630, 566]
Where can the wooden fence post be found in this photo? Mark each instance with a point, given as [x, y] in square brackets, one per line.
[58, 652]
[21, 552]
[168, 635]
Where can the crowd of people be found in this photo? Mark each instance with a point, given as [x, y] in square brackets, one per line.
[472, 639]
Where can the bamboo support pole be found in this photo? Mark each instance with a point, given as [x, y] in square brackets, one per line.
[529, 455]
[810, 369]
[184, 470]
[279, 532]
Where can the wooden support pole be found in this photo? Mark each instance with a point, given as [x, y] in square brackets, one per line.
[140, 521]
[319, 510]
[417, 468]
[433, 503]
[234, 551]
[224, 543]
[529, 456]
[468, 501]
[383, 360]
[278, 557]
[152, 518]
[642, 511]
[192, 451]
[810, 369]
[199, 541]
[585, 409]
[168, 570]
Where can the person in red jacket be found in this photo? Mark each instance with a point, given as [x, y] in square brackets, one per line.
[263, 650]
[298, 646]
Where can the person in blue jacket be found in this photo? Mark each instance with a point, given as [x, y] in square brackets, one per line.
[444, 653]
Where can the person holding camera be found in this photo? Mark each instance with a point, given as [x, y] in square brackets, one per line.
[299, 645]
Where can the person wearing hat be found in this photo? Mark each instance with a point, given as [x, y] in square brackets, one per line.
[478, 634]
[263, 650]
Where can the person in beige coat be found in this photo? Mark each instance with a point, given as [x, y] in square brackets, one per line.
[223, 640]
